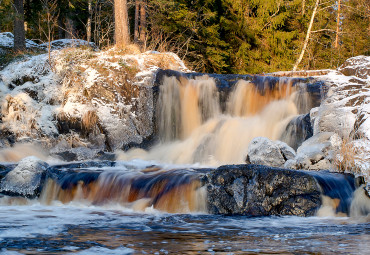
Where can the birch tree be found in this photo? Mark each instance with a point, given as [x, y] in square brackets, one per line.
[307, 36]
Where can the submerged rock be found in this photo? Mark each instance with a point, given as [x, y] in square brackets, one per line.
[263, 151]
[25, 179]
[260, 191]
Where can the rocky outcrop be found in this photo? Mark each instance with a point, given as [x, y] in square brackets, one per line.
[263, 151]
[316, 153]
[260, 191]
[7, 42]
[358, 66]
[297, 131]
[26, 179]
[99, 100]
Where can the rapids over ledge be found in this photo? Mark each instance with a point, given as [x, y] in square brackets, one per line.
[190, 190]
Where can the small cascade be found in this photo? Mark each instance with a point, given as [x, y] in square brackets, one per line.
[174, 191]
[195, 127]
[183, 105]
[249, 98]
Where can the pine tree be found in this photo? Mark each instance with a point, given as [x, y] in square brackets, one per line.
[121, 23]
[19, 33]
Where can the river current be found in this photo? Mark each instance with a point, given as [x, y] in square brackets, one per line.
[191, 132]
[75, 229]
[79, 227]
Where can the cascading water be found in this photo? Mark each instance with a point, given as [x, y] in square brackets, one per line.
[193, 128]
[105, 205]
[174, 191]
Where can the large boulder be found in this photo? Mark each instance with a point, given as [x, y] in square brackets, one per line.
[356, 66]
[259, 191]
[263, 151]
[316, 153]
[26, 179]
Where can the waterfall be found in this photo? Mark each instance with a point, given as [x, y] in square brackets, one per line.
[174, 191]
[193, 129]
[183, 105]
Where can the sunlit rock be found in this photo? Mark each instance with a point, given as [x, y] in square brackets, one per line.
[356, 66]
[316, 153]
[263, 151]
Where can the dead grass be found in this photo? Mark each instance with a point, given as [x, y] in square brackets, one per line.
[129, 49]
[89, 120]
[347, 157]
[77, 55]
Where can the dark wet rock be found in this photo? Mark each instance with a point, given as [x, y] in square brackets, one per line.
[356, 66]
[5, 169]
[297, 131]
[260, 191]
[101, 155]
[83, 153]
[222, 80]
[26, 179]
[263, 151]
[7, 138]
[84, 165]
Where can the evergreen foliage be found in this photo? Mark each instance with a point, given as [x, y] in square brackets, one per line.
[222, 36]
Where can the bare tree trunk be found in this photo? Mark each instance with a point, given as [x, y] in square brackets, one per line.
[70, 28]
[121, 23]
[70, 25]
[136, 28]
[338, 22]
[19, 33]
[303, 7]
[307, 36]
[88, 25]
[142, 20]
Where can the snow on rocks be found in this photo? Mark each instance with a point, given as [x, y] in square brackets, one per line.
[99, 100]
[263, 151]
[346, 110]
[358, 66]
[67, 43]
[25, 179]
[7, 41]
[29, 94]
[316, 153]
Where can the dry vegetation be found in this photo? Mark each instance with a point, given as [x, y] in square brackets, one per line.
[348, 157]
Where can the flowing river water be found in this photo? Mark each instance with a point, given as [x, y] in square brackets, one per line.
[156, 205]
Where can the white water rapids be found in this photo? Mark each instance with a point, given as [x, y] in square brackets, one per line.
[193, 128]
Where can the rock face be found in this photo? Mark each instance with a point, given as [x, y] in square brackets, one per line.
[297, 131]
[263, 151]
[99, 100]
[357, 66]
[25, 179]
[260, 191]
[316, 153]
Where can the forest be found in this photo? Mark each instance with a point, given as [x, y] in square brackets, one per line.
[215, 36]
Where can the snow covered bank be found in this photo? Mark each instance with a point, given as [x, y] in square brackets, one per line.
[7, 42]
[83, 98]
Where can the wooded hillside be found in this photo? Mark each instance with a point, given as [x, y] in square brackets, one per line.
[223, 36]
